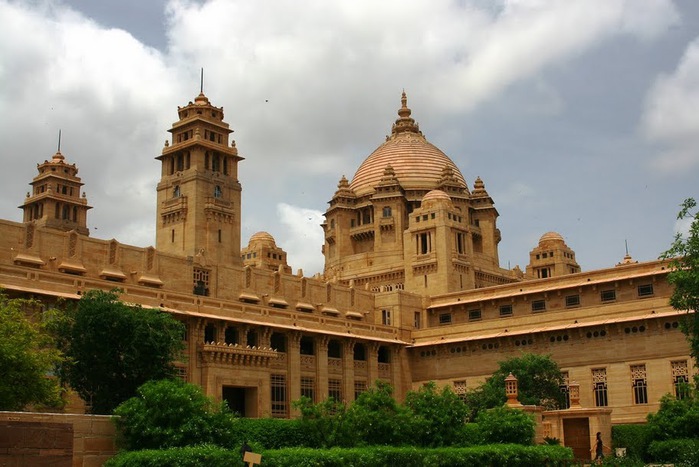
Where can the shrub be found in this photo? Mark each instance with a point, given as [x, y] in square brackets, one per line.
[438, 416]
[375, 418]
[171, 413]
[505, 454]
[676, 418]
[193, 456]
[635, 438]
[324, 424]
[270, 433]
[506, 425]
[681, 452]
[214, 456]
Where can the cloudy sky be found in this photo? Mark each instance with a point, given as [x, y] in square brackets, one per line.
[581, 116]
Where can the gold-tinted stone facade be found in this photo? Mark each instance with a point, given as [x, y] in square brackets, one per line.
[412, 289]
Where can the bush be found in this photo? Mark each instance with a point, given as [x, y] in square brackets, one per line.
[375, 418]
[503, 455]
[324, 424]
[270, 433]
[171, 413]
[212, 456]
[196, 456]
[438, 416]
[506, 425]
[635, 438]
[681, 452]
[676, 418]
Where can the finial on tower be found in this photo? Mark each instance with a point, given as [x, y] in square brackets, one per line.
[59, 141]
[201, 81]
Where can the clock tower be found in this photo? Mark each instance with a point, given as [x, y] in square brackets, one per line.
[198, 211]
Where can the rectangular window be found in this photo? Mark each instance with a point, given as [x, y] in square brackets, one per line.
[680, 379]
[572, 300]
[474, 315]
[539, 305]
[445, 318]
[386, 317]
[359, 388]
[599, 386]
[645, 290]
[506, 310]
[640, 384]
[280, 407]
[565, 389]
[308, 387]
[608, 295]
[460, 389]
[417, 320]
[201, 281]
[335, 389]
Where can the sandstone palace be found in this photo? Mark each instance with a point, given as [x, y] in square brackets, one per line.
[412, 289]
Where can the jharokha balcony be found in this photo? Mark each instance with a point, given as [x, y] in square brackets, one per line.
[236, 354]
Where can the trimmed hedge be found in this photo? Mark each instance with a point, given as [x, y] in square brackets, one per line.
[681, 452]
[270, 433]
[635, 438]
[211, 456]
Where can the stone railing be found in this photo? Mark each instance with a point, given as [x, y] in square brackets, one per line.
[235, 354]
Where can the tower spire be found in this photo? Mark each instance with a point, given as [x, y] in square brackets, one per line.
[59, 141]
[201, 81]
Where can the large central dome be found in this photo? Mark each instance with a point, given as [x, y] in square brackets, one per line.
[418, 164]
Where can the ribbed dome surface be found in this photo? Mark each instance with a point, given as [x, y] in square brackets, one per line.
[417, 163]
[549, 237]
[263, 239]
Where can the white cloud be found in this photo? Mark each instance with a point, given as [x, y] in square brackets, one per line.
[670, 117]
[309, 86]
[302, 237]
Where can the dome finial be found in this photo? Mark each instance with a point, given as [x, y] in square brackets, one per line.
[404, 123]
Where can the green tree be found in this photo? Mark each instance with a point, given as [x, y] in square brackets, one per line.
[325, 422]
[539, 381]
[171, 413]
[114, 348]
[684, 262]
[505, 425]
[439, 415]
[676, 418]
[375, 418]
[27, 356]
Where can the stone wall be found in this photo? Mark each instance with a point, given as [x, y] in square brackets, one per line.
[56, 440]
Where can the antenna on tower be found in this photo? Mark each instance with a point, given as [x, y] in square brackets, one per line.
[201, 81]
[59, 140]
[626, 244]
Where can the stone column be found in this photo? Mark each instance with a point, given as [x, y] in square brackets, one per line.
[322, 368]
[348, 370]
[372, 364]
[293, 372]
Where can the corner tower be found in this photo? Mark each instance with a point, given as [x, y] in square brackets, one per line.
[198, 211]
[55, 200]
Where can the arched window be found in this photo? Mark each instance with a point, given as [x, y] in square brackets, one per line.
[307, 346]
[334, 349]
[218, 192]
[176, 191]
[360, 352]
[278, 342]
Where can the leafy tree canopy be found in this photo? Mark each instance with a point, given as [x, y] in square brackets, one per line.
[113, 348]
[439, 414]
[539, 381]
[684, 262]
[171, 413]
[27, 356]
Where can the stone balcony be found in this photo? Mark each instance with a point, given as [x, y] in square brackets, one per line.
[235, 354]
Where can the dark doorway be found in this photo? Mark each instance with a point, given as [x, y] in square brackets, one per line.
[576, 435]
[235, 397]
